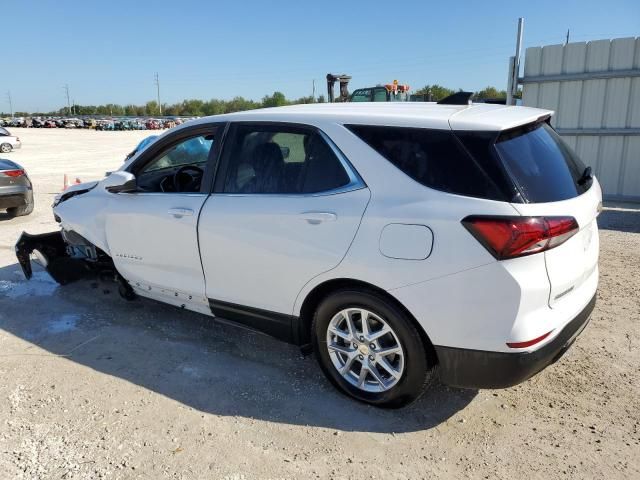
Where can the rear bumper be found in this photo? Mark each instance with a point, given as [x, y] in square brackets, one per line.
[15, 196]
[467, 368]
[10, 201]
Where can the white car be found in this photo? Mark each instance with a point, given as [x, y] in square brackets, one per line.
[397, 241]
[8, 142]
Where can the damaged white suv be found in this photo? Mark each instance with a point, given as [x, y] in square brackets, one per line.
[395, 240]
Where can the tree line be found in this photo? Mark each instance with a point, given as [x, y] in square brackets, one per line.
[199, 108]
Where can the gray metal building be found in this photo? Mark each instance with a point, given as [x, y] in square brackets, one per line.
[594, 87]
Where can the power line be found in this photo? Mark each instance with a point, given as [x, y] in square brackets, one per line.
[157, 82]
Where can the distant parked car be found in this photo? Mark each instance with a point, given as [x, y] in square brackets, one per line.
[8, 142]
[16, 192]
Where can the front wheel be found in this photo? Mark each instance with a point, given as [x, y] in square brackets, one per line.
[5, 148]
[370, 349]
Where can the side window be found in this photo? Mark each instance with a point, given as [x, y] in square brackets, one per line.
[282, 160]
[434, 158]
[361, 95]
[380, 95]
[193, 151]
[179, 169]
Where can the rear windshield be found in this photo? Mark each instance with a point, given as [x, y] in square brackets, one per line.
[544, 168]
[434, 158]
[7, 165]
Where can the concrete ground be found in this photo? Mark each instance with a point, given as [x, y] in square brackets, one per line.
[97, 387]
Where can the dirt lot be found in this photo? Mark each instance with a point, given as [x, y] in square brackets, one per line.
[96, 387]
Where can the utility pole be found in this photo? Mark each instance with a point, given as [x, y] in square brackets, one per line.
[514, 66]
[66, 89]
[567, 37]
[313, 94]
[157, 82]
[10, 103]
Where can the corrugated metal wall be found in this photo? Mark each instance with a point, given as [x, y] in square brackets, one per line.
[594, 87]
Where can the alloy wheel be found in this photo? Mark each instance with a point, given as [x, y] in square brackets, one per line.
[365, 350]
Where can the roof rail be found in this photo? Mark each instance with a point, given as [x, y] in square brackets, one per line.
[458, 98]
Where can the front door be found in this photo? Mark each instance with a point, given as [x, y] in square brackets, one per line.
[152, 233]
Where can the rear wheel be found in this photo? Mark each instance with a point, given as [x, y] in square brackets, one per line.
[370, 349]
[5, 148]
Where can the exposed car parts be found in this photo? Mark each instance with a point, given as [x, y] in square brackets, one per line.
[68, 257]
[50, 251]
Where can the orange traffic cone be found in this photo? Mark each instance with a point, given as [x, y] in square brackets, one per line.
[66, 182]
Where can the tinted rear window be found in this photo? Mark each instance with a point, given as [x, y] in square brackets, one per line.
[8, 165]
[435, 158]
[542, 165]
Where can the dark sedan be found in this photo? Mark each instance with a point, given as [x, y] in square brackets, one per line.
[16, 191]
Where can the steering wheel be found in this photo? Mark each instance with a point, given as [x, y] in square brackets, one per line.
[195, 176]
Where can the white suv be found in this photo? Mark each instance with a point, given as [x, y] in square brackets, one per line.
[395, 240]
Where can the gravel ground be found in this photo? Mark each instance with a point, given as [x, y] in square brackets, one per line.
[96, 387]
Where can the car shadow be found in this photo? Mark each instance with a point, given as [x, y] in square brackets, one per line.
[202, 363]
[622, 220]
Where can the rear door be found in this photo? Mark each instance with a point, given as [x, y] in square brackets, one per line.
[553, 182]
[286, 207]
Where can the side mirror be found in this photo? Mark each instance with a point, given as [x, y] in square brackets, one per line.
[120, 182]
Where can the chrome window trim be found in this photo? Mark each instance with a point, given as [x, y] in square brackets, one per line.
[355, 180]
[326, 193]
[183, 194]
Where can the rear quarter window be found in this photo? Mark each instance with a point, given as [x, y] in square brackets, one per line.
[434, 158]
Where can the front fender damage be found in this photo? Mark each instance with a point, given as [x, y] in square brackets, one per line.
[67, 257]
[50, 250]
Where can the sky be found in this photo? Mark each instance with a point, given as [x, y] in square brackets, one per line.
[108, 51]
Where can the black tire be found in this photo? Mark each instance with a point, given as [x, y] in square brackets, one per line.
[5, 148]
[418, 372]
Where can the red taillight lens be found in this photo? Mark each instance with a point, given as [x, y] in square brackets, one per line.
[12, 173]
[510, 237]
[528, 343]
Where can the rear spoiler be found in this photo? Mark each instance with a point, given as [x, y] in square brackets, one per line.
[458, 98]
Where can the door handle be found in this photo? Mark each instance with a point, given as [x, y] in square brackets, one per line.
[180, 212]
[315, 218]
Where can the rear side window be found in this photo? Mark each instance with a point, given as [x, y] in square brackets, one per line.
[282, 160]
[435, 158]
[544, 168]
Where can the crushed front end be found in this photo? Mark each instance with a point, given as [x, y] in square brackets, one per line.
[65, 255]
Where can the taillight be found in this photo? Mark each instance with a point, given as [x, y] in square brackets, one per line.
[510, 237]
[12, 173]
